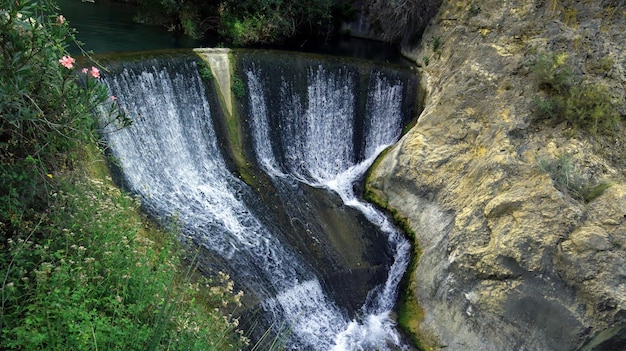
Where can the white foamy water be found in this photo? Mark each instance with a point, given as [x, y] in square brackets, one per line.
[171, 159]
[318, 148]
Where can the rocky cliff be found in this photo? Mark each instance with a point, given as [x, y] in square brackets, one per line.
[520, 220]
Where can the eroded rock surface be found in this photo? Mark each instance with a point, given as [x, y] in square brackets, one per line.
[511, 259]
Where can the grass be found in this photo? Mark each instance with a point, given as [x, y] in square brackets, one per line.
[92, 273]
[567, 177]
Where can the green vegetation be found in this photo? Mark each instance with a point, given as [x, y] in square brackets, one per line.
[238, 87]
[205, 71]
[437, 47]
[45, 106]
[246, 22]
[436, 44]
[80, 267]
[264, 21]
[243, 22]
[410, 313]
[191, 17]
[570, 180]
[88, 275]
[585, 106]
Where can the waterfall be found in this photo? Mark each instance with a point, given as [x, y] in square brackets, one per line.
[317, 144]
[312, 135]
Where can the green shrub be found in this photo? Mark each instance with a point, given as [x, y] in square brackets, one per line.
[46, 104]
[190, 17]
[473, 10]
[436, 44]
[589, 107]
[255, 28]
[205, 71]
[583, 105]
[553, 73]
[267, 21]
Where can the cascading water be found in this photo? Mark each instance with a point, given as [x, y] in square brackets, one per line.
[171, 158]
[317, 148]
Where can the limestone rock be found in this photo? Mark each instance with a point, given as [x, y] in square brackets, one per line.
[509, 259]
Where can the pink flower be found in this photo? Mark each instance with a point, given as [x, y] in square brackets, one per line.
[113, 97]
[94, 72]
[61, 19]
[85, 70]
[67, 62]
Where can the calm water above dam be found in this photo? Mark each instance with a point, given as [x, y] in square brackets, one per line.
[107, 27]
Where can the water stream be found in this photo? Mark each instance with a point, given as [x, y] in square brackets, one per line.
[314, 129]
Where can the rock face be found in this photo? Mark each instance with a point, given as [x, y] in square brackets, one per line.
[510, 258]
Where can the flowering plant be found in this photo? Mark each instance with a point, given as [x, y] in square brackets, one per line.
[46, 104]
[79, 271]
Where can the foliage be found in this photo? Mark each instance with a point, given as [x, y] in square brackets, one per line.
[437, 46]
[568, 178]
[238, 87]
[586, 106]
[242, 22]
[205, 70]
[191, 17]
[553, 73]
[246, 22]
[265, 21]
[45, 105]
[436, 43]
[86, 277]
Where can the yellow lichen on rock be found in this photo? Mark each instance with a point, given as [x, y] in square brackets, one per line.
[501, 202]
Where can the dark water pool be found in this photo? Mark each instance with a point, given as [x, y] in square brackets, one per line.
[108, 27]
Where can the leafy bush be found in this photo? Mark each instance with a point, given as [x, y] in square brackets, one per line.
[191, 17]
[45, 104]
[242, 22]
[553, 73]
[473, 10]
[205, 70]
[584, 105]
